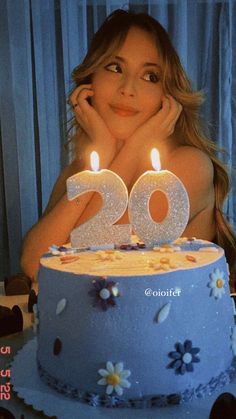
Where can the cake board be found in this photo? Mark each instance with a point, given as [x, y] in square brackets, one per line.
[29, 387]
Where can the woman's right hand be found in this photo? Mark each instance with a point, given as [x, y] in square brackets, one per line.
[158, 127]
[90, 121]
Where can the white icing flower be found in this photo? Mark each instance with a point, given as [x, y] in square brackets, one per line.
[217, 283]
[114, 377]
[54, 250]
[233, 340]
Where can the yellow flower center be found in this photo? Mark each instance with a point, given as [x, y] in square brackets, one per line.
[219, 283]
[113, 379]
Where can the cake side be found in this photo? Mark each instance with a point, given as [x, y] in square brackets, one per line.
[151, 321]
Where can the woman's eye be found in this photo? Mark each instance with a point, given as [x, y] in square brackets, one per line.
[114, 67]
[152, 77]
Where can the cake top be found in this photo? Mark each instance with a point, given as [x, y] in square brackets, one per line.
[134, 259]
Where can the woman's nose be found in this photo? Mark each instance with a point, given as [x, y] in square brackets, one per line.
[127, 86]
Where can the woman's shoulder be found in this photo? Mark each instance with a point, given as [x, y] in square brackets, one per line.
[187, 151]
[195, 169]
[189, 160]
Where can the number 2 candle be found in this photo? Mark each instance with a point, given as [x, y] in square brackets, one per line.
[151, 232]
[100, 230]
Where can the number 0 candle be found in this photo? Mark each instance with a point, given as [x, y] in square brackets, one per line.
[100, 230]
[151, 232]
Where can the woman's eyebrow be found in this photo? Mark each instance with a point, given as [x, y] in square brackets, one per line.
[152, 65]
[145, 64]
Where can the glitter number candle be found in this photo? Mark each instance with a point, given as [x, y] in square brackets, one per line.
[100, 230]
[151, 232]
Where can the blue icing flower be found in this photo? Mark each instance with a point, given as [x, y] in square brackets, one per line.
[201, 390]
[217, 283]
[188, 395]
[213, 384]
[195, 244]
[92, 399]
[183, 357]
[223, 379]
[109, 401]
[104, 293]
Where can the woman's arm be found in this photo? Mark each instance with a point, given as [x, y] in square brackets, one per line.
[55, 225]
[61, 215]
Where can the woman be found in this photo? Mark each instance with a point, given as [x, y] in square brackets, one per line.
[131, 94]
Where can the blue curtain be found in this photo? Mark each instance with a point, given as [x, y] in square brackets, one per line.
[41, 41]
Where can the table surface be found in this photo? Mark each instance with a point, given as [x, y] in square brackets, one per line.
[16, 341]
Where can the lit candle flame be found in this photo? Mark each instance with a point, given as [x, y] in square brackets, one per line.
[94, 161]
[155, 158]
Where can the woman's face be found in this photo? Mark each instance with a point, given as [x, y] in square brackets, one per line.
[127, 87]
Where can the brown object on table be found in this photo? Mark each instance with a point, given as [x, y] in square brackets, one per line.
[6, 414]
[11, 320]
[224, 407]
[32, 300]
[18, 284]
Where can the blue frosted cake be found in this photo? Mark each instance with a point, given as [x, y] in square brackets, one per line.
[136, 327]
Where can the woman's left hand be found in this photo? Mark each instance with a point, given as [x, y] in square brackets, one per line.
[159, 126]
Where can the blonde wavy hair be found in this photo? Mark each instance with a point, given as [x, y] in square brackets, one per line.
[189, 127]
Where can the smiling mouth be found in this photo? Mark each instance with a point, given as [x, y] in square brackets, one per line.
[124, 111]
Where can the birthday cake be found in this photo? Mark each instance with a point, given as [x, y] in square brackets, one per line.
[134, 327]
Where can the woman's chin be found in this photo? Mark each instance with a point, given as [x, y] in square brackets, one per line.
[122, 135]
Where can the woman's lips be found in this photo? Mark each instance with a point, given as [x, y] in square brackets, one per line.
[123, 110]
